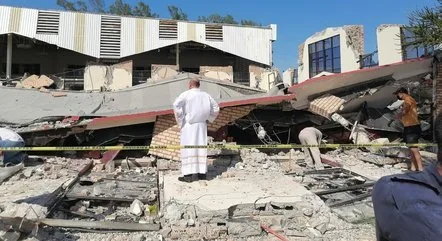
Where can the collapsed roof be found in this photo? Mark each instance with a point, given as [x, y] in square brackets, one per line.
[21, 106]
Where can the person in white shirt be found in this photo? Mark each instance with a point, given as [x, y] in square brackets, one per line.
[9, 138]
[193, 109]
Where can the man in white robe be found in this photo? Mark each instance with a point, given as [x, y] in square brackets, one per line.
[193, 109]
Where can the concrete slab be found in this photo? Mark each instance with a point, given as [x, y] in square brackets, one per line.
[243, 188]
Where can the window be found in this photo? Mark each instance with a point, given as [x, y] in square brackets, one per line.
[325, 55]
[110, 37]
[412, 52]
[214, 32]
[47, 22]
[168, 29]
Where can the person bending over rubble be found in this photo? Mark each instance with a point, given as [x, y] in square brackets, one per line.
[193, 110]
[412, 128]
[9, 138]
[312, 136]
[408, 207]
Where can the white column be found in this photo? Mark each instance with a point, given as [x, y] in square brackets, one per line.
[9, 57]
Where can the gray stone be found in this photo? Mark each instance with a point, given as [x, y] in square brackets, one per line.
[85, 192]
[97, 191]
[173, 213]
[190, 222]
[28, 172]
[162, 164]
[323, 227]
[294, 233]
[136, 208]
[241, 229]
[10, 236]
[307, 212]
[313, 233]
[165, 232]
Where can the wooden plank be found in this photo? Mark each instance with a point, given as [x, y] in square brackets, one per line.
[351, 200]
[63, 223]
[344, 189]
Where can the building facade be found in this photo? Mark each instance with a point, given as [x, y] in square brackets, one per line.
[59, 42]
[341, 49]
[333, 50]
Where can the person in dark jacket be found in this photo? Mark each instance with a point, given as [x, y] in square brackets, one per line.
[408, 207]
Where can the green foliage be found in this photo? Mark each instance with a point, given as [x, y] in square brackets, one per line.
[120, 8]
[141, 9]
[176, 13]
[425, 26]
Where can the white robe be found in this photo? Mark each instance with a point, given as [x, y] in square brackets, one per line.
[193, 108]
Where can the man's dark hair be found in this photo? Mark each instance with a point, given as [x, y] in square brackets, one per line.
[401, 90]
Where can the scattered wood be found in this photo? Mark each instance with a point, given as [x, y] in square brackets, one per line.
[344, 189]
[94, 225]
[350, 200]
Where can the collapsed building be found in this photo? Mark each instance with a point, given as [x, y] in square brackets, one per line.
[248, 191]
[65, 45]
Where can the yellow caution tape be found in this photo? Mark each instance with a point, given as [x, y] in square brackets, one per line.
[218, 146]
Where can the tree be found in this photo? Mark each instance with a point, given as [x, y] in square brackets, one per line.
[120, 8]
[176, 13]
[143, 10]
[97, 6]
[425, 26]
[82, 6]
[216, 18]
[69, 6]
[250, 23]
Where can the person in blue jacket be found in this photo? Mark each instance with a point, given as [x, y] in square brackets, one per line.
[408, 207]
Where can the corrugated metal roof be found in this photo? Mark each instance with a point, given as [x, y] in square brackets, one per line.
[66, 30]
[92, 35]
[4, 19]
[247, 42]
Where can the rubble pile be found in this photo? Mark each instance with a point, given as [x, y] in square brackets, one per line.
[37, 82]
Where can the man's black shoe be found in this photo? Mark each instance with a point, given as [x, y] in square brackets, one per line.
[202, 176]
[186, 178]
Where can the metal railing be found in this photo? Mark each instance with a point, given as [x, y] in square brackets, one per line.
[368, 60]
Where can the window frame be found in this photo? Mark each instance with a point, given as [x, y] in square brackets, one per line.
[324, 57]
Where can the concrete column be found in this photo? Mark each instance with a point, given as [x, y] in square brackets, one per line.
[9, 57]
[177, 57]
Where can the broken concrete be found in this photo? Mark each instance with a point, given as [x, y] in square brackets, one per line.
[108, 78]
[163, 72]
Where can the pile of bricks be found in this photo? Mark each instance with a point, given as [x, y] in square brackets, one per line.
[167, 132]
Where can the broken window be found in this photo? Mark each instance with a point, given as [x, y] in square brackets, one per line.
[48, 22]
[412, 52]
[325, 55]
[214, 32]
[168, 29]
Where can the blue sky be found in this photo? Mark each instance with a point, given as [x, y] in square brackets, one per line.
[296, 19]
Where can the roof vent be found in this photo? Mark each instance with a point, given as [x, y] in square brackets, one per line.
[168, 29]
[214, 32]
[110, 37]
[48, 22]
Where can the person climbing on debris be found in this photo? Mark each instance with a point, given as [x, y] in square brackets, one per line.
[408, 207]
[193, 110]
[312, 136]
[412, 128]
[9, 138]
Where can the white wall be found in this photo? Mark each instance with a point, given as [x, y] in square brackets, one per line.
[349, 56]
[389, 44]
